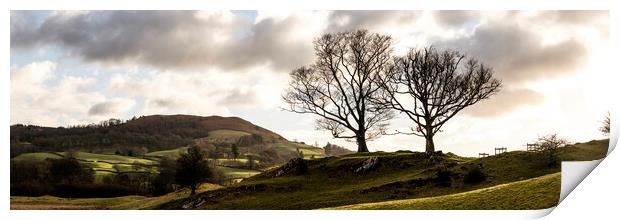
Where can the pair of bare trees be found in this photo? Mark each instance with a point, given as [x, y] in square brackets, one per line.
[356, 85]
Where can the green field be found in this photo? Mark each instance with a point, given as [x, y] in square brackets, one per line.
[229, 172]
[167, 153]
[226, 135]
[110, 158]
[292, 147]
[124, 202]
[36, 156]
[536, 193]
[104, 164]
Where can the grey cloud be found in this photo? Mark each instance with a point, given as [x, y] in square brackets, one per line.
[164, 102]
[505, 102]
[455, 18]
[165, 39]
[105, 108]
[367, 19]
[23, 31]
[517, 54]
[238, 97]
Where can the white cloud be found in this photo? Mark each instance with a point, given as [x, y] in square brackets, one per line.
[40, 97]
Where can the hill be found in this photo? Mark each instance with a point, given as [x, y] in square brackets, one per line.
[155, 132]
[157, 136]
[333, 181]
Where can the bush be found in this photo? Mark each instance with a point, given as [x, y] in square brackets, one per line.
[474, 175]
[548, 148]
[443, 177]
[90, 190]
[30, 188]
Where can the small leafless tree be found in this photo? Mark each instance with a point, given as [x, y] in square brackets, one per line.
[605, 128]
[549, 145]
[341, 83]
[431, 86]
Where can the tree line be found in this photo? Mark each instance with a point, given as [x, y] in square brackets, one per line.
[357, 85]
[67, 177]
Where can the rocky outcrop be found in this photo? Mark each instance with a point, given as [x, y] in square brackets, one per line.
[366, 166]
[295, 166]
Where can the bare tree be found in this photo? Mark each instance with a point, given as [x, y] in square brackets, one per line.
[549, 145]
[431, 86]
[606, 127]
[341, 84]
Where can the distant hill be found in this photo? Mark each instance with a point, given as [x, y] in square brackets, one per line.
[195, 126]
[157, 132]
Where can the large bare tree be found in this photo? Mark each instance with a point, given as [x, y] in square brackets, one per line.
[431, 86]
[341, 83]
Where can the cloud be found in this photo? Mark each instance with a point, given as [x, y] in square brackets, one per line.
[518, 54]
[41, 96]
[573, 17]
[350, 20]
[505, 102]
[167, 39]
[455, 18]
[111, 108]
[200, 93]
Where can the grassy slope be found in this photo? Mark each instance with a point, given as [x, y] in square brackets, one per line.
[292, 147]
[236, 173]
[167, 153]
[226, 135]
[536, 193]
[125, 202]
[35, 156]
[330, 182]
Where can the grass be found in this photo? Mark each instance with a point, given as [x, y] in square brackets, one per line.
[113, 158]
[536, 193]
[124, 202]
[592, 150]
[399, 176]
[292, 147]
[226, 135]
[35, 156]
[103, 164]
[167, 153]
[229, 172]
[403, 180]
[51, 202]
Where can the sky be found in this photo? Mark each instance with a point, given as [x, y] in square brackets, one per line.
[80, 67]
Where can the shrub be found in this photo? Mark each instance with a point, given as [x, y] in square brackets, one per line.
[443, 177]
[474, 175]
[548, 148]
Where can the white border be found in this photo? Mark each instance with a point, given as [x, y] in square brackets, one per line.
[587, 203]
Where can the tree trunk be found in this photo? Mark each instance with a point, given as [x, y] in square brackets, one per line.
[193, 190]
[361, 143]
[430, 144]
